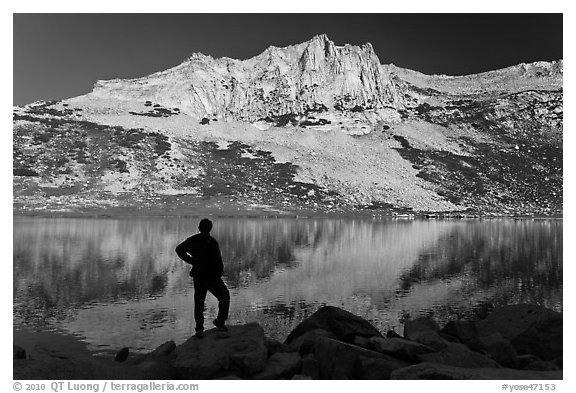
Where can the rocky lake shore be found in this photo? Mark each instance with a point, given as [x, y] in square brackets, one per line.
[517, 342]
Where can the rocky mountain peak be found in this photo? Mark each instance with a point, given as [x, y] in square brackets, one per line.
[277, 82]
[314, 75]
[321, 44]
[490, 142]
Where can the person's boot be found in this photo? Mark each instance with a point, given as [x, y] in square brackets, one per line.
[220, 325]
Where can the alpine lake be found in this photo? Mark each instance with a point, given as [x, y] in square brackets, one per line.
[117, 282]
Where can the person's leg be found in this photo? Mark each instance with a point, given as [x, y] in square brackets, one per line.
[200, 290]
[220, 291]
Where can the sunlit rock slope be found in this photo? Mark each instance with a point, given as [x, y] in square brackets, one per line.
[313, 127]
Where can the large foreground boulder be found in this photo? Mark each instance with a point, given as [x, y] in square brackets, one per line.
[164, 349]
[241, 351]
[442, 371]
[275, 346]
[412, 327]
[497, 347]
[339, 360]
[343, 325]
[424, 331]
[398, 348]
[374, 368]
[332, 344]
[306, 342]
[153, 365]
[461, 330]
[530, 329]
[310, 367]
[281, 365]
[458, 355]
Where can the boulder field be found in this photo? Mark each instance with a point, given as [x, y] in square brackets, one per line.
[517, 342]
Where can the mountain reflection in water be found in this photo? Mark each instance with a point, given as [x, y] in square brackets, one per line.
[118, 282]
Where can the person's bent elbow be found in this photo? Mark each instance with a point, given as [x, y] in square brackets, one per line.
[182, 254]
[179, 251]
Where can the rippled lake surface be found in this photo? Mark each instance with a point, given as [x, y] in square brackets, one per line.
[118, 282]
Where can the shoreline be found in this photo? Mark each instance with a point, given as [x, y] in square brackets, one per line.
[35, 340]
[493, 347]
[305, 214]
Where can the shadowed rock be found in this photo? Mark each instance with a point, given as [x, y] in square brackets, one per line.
[497, 347]
[442, 371]
[430, 339]
[275, 346]
[399, 348]
[310, 367]
[339, 360]
[371, 368]
[342, 324]
[362, 342]
[458, 355]
[424, 331]
[306, 342]
[122, 354]
[48, 362]
[164, 349]
[523, 360]
[301, 377]
[318, 353]
[415, 326]
[531, 329]
[18, 352]
[155, 368]
[240, 351]
[541, 365]
[464, 331]
[281, 366]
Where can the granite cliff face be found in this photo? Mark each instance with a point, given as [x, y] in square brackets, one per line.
[311, 76]
[312, 126]
[293, 80]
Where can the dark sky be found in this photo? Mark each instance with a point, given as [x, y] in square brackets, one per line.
[61, 55]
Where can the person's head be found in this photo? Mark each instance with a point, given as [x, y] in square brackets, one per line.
[205, 226]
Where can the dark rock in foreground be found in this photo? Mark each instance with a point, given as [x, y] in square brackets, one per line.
[306, 343]
[442, 371]
[281, 365]
[240, 351]
[531, 329]
[424, 331]
[462, 331]
[399, 348]
[344, 325]
[122, 355]
[340, 360]
[335, 344]
[497, 347]
[458, 355]
[18, 352]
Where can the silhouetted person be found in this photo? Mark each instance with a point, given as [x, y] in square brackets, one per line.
[203, 253]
